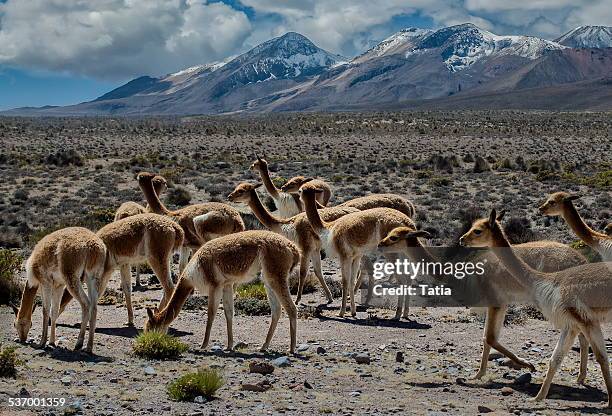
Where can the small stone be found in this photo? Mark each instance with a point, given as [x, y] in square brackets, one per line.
[355, 394]
[200, 399]
[495, 356]
[506, 391]
[321, 350]
[258, 387]
[24, 392]
[114, 380]
[523, 379]
[484, 409]
[307, 385]
[363, 358]
[261, 367]
[150, 371]
[399, 357]
[241, 345]
[198, 412]
[382, 347]
[216, 348]
[281, 361]
[460, 380]
[303, 347]
[66, 381]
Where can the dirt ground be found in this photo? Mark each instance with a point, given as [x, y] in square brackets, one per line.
[441, 349]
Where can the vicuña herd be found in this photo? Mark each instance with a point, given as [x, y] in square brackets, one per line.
[574, 295]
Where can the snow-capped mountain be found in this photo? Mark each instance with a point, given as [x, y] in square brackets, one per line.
[587, 37]
[463, 45]
[397, 43]
[409, 68]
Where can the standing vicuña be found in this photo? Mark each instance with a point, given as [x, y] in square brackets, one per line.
[62, 260]
[127, 209]
[560, 204]
[545, 255]
[296, 228]
[200, 222]
[288, 204]
[222, 264]
[351, 236]
[575, 300]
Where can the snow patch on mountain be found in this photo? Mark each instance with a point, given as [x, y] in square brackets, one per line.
[390, 45]
[587, 37]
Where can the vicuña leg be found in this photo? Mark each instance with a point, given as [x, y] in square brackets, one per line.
[46, 294]
[184, 258]
[126, 287]
[281, 291]
[92, 288]
[275, 308]
[596, 339]
[315, 257]
[354, 275]
[56, 299]
[584, 358]
[160, 263]
[563, 346]
[346, 280]
[228, 309]
[214, 298]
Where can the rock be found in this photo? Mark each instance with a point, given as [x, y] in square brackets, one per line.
[495, 356]
[399, 357]
[216, 348]
[307, 385]
[321, 350]
[303, 347]
[484, 409]
[241, 345]
[363, 358]
[199, 399]
[506, 391]
[66, 381]
[23, 392]
[150, 371]
[523, 379]
[281, 361]
[114, 380]
[197, 413]
[355, 394]
[261, 367]
[460, 380]
[258, 387]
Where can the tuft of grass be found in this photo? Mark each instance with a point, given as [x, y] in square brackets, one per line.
[10, 263]
[253, 290]
[205, 382]
[8, 362]
[155, 345]
[252, 306]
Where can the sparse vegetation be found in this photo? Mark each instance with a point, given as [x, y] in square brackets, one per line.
[10, 263]
[205, 382]
[158, 346]
[8, 362]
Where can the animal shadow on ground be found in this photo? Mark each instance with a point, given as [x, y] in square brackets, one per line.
[374, 321]
[70, 355]
[248, 355]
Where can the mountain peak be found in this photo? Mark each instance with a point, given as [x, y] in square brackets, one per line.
[587, 37]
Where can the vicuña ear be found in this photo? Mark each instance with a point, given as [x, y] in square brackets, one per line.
[418, 233]
[492, 217]
[150, 313]
[501, 214]
[15, 309]
[572, 197]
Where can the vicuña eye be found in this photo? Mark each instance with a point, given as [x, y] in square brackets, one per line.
[477, 232]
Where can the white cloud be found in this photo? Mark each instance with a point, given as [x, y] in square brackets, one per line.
[122, 38]
[117, 38]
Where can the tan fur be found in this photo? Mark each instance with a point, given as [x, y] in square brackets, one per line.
[382, 201]
[293, 185]
[61, 260]
[547, 256]
[222, 264]
[350, 237]
[575, 300]
[200, 222]
[560, 204]
[296, 228]
[127, 209]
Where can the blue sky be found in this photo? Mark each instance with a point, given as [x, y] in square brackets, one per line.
[66, 51]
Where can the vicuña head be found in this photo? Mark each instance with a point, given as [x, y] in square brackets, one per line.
[403, 234]
[242, 192]
[484, 232]
[259, 164]
[557, 203]
[293, 185]
[23, 324]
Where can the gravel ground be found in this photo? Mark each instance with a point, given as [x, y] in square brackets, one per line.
[440, 348]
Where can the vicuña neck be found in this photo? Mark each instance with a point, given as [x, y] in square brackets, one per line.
[268, 184]
[520, 270]
[182, 291]
[27, 302]
[312, 214]
[577, 224]
[155, 205]
[262, 214]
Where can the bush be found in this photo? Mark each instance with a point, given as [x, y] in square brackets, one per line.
[255, 290]
[252, 306]
[10, 290]
[204, 383]
[155, 345]
[518, 230]
[178, 196]
[8, 362]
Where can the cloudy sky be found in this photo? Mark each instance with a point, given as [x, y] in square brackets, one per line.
[66, 51]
